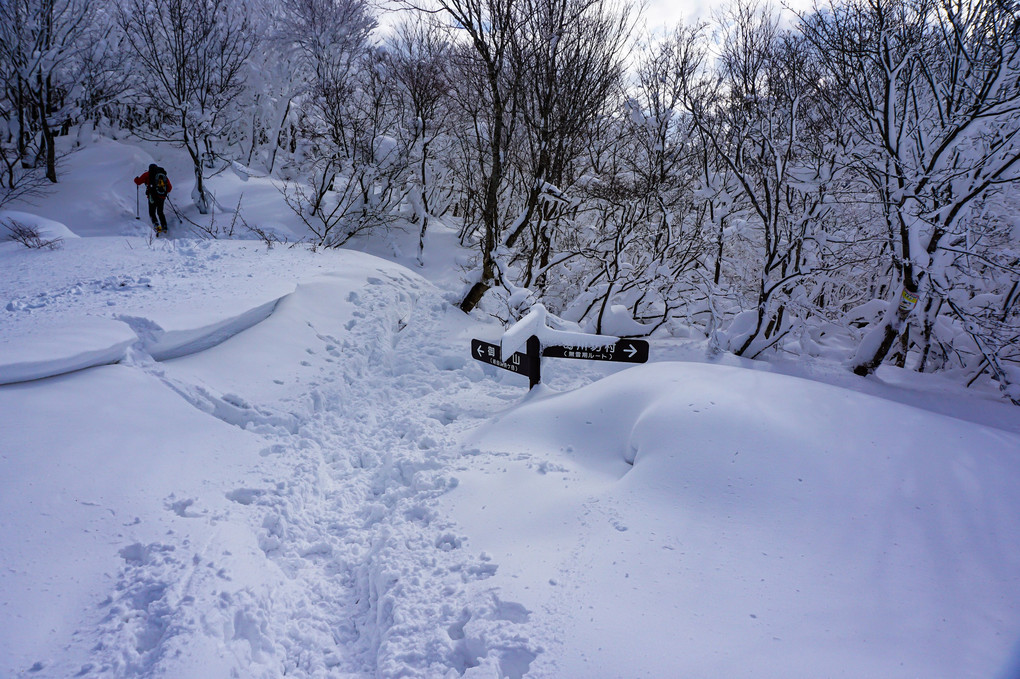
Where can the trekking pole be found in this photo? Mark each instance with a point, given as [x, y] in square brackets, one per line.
[138, 214]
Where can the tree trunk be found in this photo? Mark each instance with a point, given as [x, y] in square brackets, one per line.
[490, 210]
[23, 126]
[478, 290]
[275, 146]
[48, 148]
[931, 313]
[199, 195]
[899, 359]
[482, 286]
[879, 342]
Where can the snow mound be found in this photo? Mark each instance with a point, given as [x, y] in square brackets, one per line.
[46, 352]
[821, 531]
[93, 341]
[48, 229]
[172, 336]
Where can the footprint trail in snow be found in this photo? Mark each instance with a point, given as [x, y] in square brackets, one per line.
[355, 573]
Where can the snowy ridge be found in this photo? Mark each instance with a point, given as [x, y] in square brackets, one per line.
[91, 342]
[87, 343]
[47, 229]
[163, 344]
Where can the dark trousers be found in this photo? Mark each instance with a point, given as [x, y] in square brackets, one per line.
[156, 210]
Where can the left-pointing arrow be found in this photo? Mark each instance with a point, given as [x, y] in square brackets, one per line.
[519, 363]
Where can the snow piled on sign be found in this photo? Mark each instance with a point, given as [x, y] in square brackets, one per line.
[536, 323]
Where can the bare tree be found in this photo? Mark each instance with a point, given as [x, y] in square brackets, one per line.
[932, 91]
[419, 59]
[191, 55]
[648, 229]
[755, 120]
[343, 117]
[533, 77]
[41, 42]
[102, 68]
[570, 54]
[486, 29]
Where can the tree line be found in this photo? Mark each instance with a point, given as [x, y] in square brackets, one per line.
[836, 184]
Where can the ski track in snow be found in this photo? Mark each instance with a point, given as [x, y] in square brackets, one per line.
[91, 287]
[372, 581]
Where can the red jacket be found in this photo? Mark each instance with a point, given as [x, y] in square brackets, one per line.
[144, 179]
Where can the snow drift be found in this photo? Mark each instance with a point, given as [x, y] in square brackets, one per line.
[768, 525]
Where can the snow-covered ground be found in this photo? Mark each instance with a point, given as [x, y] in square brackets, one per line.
[218, 460]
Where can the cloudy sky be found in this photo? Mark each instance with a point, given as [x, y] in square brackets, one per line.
[668, 13]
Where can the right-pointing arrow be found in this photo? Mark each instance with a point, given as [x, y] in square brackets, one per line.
[631, 350]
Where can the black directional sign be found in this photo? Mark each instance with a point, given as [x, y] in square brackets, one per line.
[530, 362]
[490, 353]
[623, 351]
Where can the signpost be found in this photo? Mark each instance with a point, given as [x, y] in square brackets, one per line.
[523, 364]
[530, 362]
[623, 351]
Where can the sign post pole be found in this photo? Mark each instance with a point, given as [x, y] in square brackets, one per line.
[534, 362]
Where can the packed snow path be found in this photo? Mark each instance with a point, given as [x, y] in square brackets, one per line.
[369, 581]
[330, 560]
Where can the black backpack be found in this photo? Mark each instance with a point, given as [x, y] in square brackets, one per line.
[159, 182]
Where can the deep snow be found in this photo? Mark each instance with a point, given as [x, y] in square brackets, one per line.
[220, 460]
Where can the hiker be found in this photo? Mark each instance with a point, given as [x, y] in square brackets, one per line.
[157, 186]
